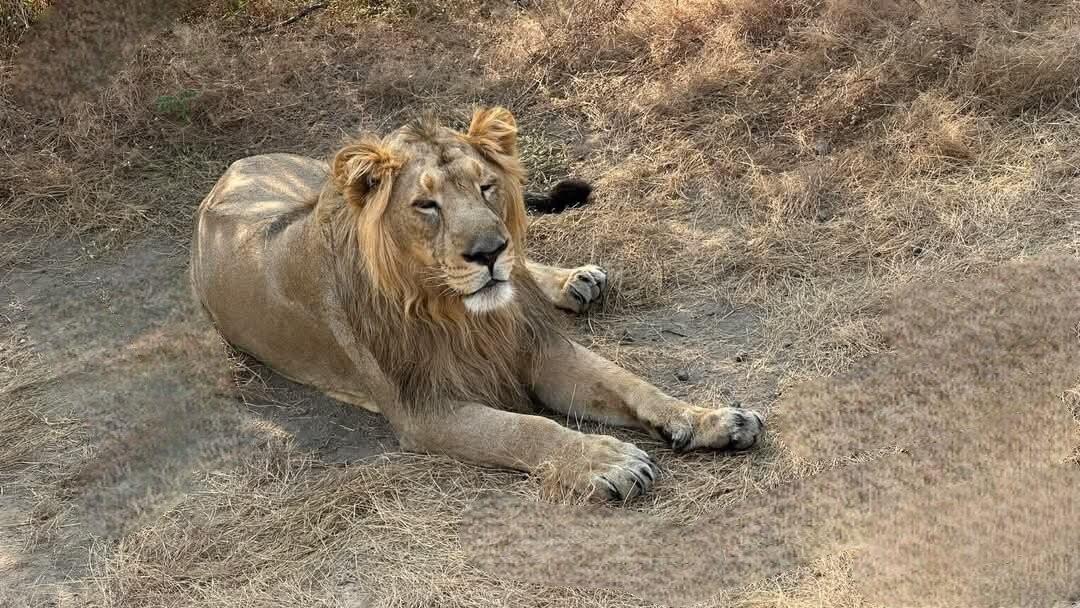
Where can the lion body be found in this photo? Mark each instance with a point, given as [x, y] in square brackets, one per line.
[263, 275]
[394, 278]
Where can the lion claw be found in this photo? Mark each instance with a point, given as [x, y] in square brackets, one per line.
[585, 286]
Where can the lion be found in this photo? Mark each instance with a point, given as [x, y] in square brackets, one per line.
[394, 278]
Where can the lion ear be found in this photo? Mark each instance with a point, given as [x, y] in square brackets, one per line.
[494, 131]
[362, 167]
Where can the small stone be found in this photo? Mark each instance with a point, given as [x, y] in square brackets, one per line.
[682, 375]
[741, 358]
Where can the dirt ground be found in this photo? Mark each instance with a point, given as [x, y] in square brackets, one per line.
[768, 174]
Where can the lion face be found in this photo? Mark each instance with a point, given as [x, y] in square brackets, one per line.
[446, 213]
[441, 212]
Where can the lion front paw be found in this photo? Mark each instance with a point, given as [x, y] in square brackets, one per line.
[608, 468]
[725, 428]
[583, 288]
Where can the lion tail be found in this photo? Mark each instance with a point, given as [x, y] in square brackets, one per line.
[566, 194]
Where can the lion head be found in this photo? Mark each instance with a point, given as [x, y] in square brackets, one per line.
[440, 213]
[427, 227]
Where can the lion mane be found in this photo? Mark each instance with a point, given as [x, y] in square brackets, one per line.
[425, 341]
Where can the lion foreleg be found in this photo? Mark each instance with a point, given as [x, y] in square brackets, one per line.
[572, 289]
[486, 436]
[577, 382]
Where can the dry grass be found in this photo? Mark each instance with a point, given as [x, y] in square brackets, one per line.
[798, 159]
[26, 431]
[981, 479]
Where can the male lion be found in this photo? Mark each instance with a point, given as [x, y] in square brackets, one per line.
[395, 279]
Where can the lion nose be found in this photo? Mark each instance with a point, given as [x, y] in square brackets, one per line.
[485, 249]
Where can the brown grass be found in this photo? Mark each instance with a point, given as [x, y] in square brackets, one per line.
[980, 481]
[797, 161]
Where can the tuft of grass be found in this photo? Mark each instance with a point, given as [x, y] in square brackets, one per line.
[235, 7]
[547, 160]
[15, 19]
[176, 107]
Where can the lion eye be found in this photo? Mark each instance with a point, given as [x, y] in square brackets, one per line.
[426, 205]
